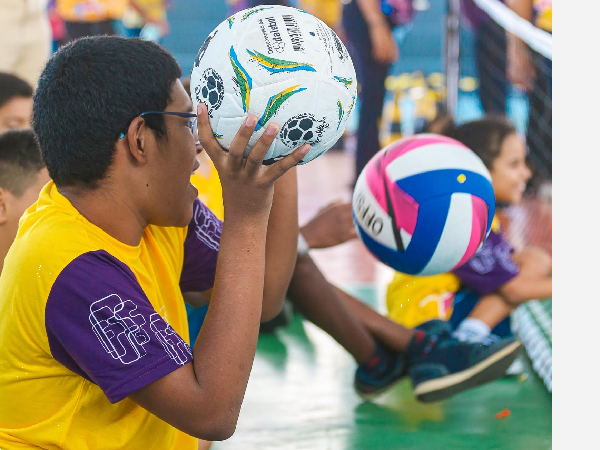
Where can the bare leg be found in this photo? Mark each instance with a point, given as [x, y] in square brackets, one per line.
[391, 334]
[534, 262]
[491, 310]
[318, 301]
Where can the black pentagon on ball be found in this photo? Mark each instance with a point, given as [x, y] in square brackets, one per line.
[213, 89]
[302, 128]
[295, 134]
[306, 124]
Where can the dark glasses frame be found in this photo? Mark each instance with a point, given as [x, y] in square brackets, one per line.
[193, 123]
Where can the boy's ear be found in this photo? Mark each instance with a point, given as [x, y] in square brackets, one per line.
[3, 207]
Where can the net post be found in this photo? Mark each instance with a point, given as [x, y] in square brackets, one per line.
[452, 55]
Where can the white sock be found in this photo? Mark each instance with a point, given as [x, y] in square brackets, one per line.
[472, 330]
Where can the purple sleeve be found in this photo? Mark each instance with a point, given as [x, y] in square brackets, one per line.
[101, 325]
[490, 268]
[200, 250]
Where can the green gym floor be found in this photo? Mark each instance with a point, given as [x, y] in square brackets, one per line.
[300, 393]
[300, 396]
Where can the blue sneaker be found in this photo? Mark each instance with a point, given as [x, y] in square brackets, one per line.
[441, 366]
[380, 373]
[516, 369]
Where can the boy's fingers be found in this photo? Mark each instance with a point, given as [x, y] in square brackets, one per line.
[205, 135]
[242, 137]
[280, 167]
[257, 154]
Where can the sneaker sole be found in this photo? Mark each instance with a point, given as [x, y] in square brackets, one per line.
[374, 394]
[483, 372]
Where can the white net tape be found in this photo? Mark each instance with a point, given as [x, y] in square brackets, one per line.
[539, 40]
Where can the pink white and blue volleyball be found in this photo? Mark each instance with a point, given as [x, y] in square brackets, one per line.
[424, 204]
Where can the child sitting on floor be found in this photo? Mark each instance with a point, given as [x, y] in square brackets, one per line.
[477, 297]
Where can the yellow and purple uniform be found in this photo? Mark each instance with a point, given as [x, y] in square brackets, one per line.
[86, 320]
[412, 300]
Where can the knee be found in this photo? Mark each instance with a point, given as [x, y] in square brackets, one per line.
[304, 268]
[534, 261]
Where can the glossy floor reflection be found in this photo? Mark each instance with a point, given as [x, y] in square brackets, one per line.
[300, 396]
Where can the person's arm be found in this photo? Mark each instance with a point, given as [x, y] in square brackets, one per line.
[203, 398]
[521, 289]
[520, 69]
[201, 248]
[385, 49]
[371, 11]
[493, 269]
[282, 242]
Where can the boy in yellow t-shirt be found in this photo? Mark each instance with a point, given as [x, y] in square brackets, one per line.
[92, 319]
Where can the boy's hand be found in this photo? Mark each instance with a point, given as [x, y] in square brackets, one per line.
[331, 226]
[247, 183]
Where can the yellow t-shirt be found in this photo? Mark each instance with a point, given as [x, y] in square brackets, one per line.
[153, 9]
[90, 10]
[206, 180]
[329, 11]
[543, 14]
[412, 300]
[86, 320]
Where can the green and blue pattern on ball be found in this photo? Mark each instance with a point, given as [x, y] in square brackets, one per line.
[352, 105]
[275, 65]
[345, 81]
[275, 103]
[244, 80]
[255, 10]
[340, 113]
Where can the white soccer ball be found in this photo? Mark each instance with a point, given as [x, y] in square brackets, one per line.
[282, 65]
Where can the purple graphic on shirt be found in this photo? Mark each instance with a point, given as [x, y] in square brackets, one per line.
[200, 250]
[101, 325]
[490, 268]
[175, 347]
[119, 328]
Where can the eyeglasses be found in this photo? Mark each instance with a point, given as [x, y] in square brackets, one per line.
[193, 121]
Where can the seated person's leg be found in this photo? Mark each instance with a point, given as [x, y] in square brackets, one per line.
[430, 355]
[534, 262]
[474, 318]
